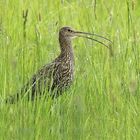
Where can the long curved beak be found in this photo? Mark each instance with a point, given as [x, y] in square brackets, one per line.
[82, 34]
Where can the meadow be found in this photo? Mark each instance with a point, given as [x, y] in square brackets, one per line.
[104, 100]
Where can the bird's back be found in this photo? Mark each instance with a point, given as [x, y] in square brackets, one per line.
[53, 78]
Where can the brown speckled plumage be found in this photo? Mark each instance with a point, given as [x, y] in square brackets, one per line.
[56, 76]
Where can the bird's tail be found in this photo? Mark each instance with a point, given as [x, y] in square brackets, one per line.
[28, 88]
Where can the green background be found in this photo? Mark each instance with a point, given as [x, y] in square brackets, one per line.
[104, 100]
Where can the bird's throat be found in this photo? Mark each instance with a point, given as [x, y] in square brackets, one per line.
[66, 47]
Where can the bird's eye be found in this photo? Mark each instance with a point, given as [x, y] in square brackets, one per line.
[69, 30]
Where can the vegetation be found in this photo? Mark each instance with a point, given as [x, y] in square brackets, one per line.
[104, 101]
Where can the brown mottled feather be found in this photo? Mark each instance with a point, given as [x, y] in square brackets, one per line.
[57, 75]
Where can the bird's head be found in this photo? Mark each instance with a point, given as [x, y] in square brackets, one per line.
[68, 32]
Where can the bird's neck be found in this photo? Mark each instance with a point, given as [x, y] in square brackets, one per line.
[66, 47]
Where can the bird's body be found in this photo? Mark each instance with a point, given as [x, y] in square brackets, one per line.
[56, 76]
[59, 74]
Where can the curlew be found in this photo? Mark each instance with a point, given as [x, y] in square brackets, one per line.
[58, 75]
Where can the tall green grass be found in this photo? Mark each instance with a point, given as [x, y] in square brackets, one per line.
[104, 101]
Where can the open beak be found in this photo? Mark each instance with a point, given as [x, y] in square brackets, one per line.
[86, 35]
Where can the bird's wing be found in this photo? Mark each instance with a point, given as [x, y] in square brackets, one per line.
[34, 84]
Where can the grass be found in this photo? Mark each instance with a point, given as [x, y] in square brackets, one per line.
[104, 101]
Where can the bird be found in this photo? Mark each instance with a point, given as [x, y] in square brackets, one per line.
[57, 76]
